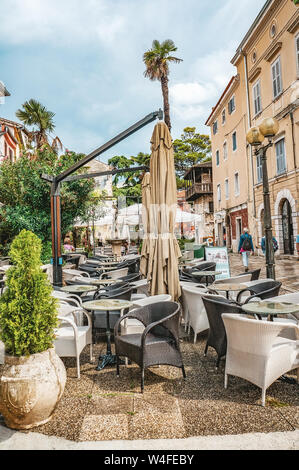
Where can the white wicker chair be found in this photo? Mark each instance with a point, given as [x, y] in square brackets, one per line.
[184, 305]
[258, 351]
[71, 339]
[197, 316]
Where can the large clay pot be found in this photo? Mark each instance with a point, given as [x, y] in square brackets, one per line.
[30, 389]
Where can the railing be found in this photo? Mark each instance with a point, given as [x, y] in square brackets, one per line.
[199, 188]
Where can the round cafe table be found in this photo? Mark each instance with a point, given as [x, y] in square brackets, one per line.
[78, 289]
[107, 305]
[270, 309]
[206, 274]
[227, 287]
[99, 282]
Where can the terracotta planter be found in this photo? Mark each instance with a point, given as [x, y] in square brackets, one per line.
[30, 389]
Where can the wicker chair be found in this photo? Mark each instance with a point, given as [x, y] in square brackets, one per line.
[159, 343]
[258, 351]
[263, 290]
[217, 336]
[255, 275]
[196, 316]
[131, 277]
[202, 266]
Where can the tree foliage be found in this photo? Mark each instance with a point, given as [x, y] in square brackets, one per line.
[157, 60]
[34, 114]
[192, 148]
[25, 197]
[28, 311]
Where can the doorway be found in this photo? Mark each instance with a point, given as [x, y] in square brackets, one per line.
[287, 228]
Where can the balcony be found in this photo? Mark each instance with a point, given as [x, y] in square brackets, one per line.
[197, 190]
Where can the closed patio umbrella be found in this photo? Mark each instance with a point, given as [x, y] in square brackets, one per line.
[163, 249]
[146, 204]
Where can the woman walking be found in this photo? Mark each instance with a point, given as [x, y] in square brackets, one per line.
[245, 247]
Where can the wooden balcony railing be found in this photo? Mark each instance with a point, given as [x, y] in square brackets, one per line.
[198, 189]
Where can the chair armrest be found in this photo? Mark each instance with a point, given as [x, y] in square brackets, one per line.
[73, 325]
[245, 290]
[257, 296]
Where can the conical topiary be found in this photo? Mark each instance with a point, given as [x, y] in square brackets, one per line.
[28, 311]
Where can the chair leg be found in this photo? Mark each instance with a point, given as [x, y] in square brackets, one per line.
[117, 365]
[142, 380]
[263, 396]
[298, 375]
[195, 337]
[218, 362]
[183, 371]
[225, 380]
[206, 349]
[91, 353]
[78, 367]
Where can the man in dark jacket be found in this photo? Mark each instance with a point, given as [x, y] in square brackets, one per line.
[245, 247]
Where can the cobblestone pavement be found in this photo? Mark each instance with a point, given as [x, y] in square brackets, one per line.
[287, 270]
[102, 407]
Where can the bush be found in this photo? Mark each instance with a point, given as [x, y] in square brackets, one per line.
[28, 311]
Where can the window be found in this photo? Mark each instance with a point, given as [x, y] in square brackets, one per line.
[218, 192]
[11, 155]
[211, 207]
[257, 97]
[297, 52]
[259, 169]
[231, 105]
[215, 127]
[223, 117]
[276, 78]
[226, 189]
[280, 157]
[234, 137]
[237, 184]
[217, 158]
[225, 151]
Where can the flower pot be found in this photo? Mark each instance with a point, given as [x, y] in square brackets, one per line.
[30, 389]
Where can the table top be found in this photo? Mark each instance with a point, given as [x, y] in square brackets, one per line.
[99, 282]
[108, 263]
[226, 286]
[107, 304]
[270, 308]
[76, 288]
[205, 273]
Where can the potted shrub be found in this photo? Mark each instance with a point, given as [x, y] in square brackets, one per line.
[34, 376]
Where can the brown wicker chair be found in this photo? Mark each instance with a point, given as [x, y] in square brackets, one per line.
[158, 344]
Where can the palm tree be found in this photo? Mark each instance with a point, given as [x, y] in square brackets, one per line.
[36, 114]
[157, 62]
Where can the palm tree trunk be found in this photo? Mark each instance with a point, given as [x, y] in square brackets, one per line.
[164, 85]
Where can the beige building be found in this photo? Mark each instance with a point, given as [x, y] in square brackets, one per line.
[266, 84]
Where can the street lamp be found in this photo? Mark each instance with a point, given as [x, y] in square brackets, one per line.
[255, 137]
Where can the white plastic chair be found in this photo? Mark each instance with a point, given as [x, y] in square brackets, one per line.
[258, 351]
[197, 316]
[71, 339]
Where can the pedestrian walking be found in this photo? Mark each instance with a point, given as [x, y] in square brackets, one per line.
[245, 247]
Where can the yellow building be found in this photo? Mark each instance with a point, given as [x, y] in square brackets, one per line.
[266, 84]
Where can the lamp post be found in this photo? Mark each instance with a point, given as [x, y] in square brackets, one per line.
[255, 137]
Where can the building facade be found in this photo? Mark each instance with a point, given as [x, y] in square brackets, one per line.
[266, 85]
[199, 193]
[13, 138]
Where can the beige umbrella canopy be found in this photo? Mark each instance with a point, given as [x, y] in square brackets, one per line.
[161, 250]
[146, 204]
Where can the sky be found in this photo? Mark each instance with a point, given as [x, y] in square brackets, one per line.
[83, 61]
